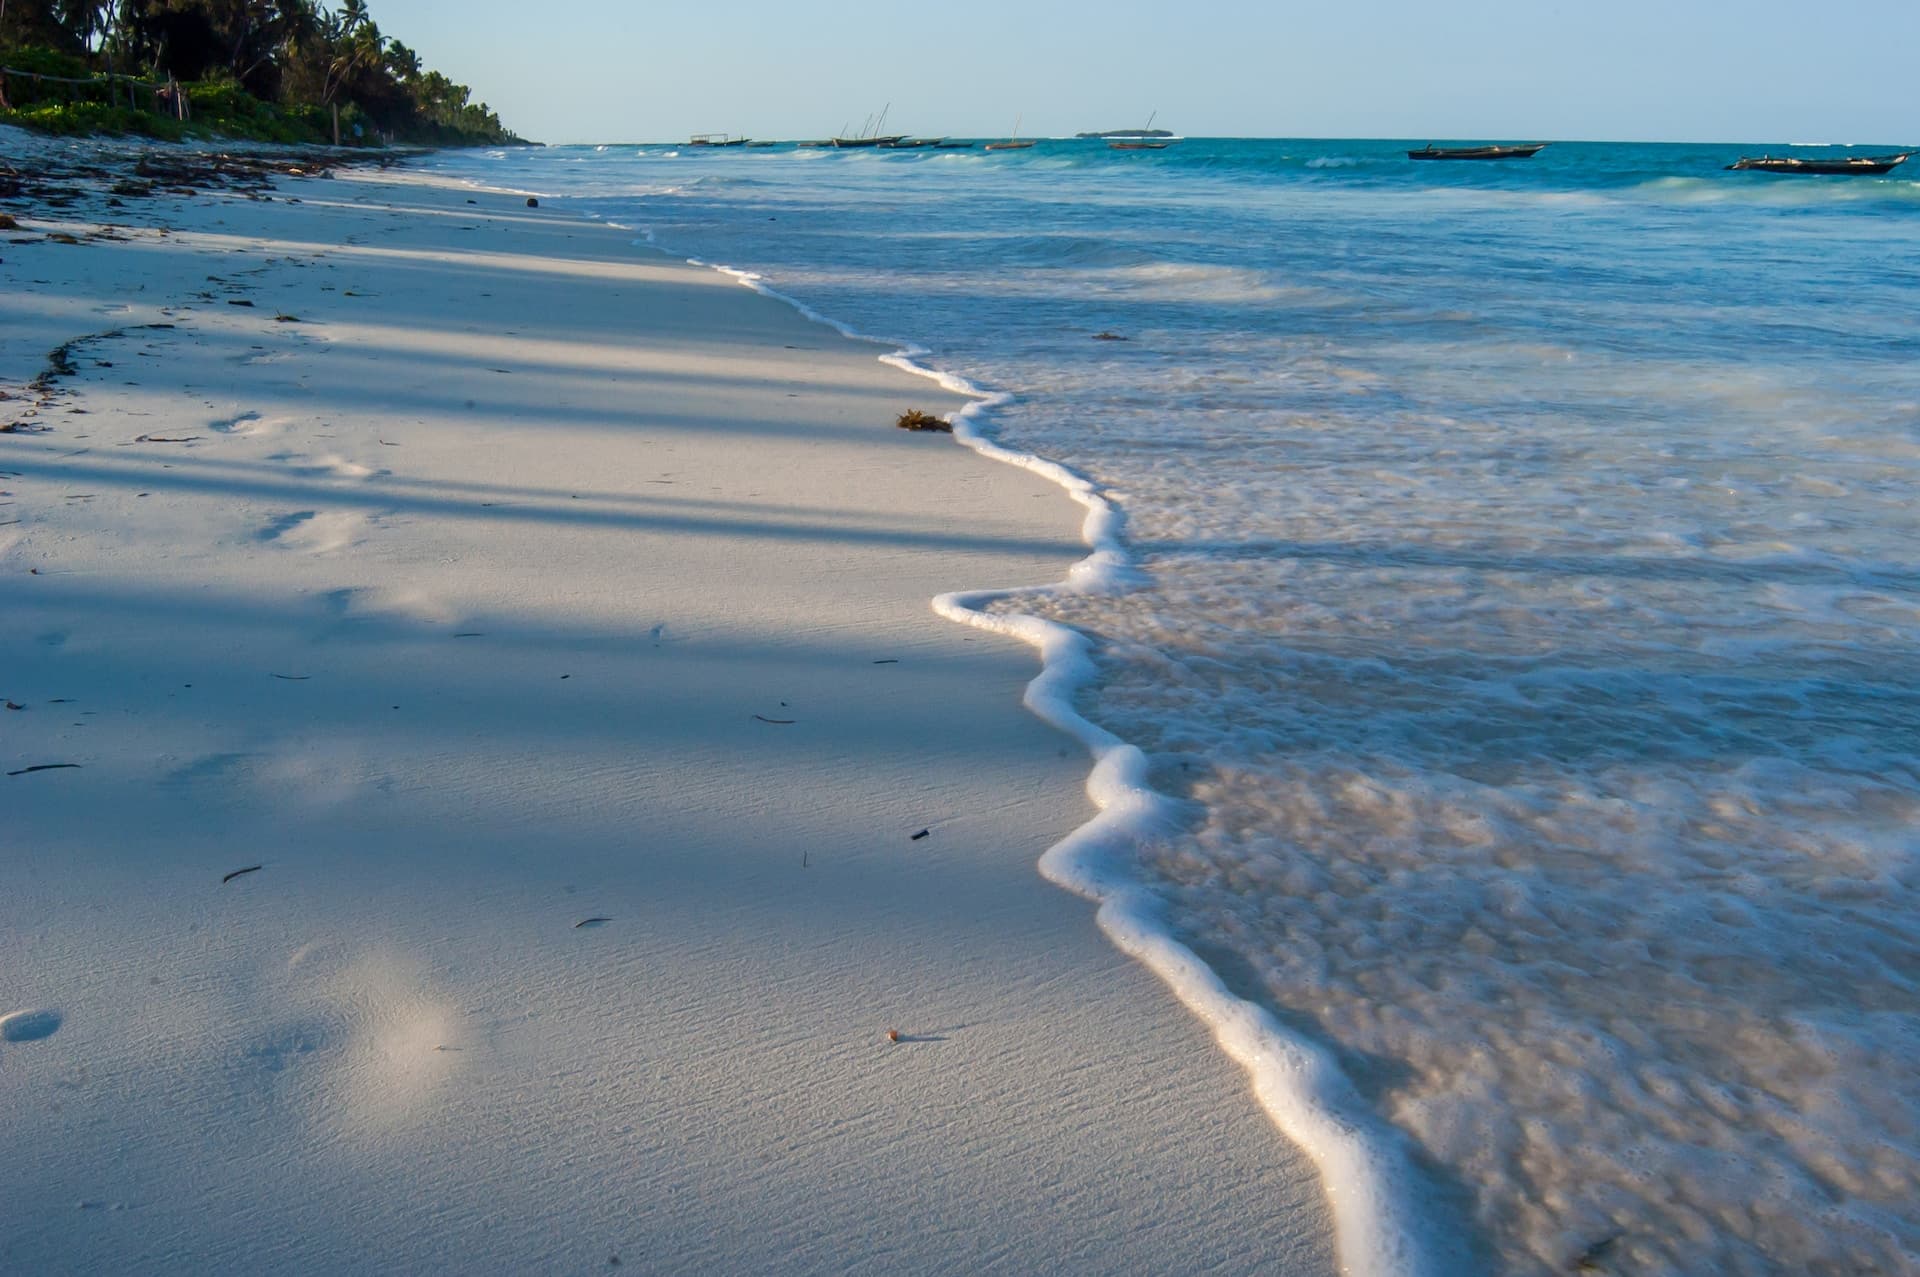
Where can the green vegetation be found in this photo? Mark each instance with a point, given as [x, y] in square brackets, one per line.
[275, 70]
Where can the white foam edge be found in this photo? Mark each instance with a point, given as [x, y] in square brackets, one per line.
[1373, 1192]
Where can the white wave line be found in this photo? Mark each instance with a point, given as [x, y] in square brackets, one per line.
[1377, 1201]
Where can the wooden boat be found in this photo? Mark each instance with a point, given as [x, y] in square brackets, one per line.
[1013, 142]
[952, 146]
[1869, 165]
[1432, 152]
[716, 139]
[1146, 139]
[870, 134]
[910, 144]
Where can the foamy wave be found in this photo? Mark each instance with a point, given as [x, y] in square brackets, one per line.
[1181, 281]
[1377, 1199]
[1525, 657]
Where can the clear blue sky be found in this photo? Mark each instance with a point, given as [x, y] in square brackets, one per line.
[1658, 70]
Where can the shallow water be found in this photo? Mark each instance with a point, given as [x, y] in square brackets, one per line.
[1532, 578]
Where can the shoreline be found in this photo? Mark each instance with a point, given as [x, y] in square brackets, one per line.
[1384, 1220]
[1055, 1109]
[1382, 677]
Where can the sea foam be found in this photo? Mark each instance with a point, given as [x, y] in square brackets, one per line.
[1501, 687]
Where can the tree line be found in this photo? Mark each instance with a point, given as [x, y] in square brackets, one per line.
[300, 56]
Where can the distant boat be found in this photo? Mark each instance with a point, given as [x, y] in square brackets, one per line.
[1013, 142]
[716, 139]
[944, 145]
[1138, 139]
[1431, 152]
[870, 134]
[910, 144]
[1862, 164]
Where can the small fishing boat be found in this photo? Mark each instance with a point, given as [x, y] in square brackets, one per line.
[1146, 139]
[870, 134]
[1432, 152]
[1013, 142]
[716, 139]
[944, 145]
[910, 144]
[1869, 165]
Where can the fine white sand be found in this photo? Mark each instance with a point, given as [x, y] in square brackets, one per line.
[460, 607]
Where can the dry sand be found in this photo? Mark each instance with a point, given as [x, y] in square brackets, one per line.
[521, 577]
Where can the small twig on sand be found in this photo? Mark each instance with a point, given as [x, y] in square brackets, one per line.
[590, 922]
[922, 834]
[780, 722]
[43, 767]
[250, 869]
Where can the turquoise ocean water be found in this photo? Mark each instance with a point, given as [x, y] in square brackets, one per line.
[1529, 624]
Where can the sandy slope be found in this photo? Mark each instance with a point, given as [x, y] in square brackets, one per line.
[460, 610]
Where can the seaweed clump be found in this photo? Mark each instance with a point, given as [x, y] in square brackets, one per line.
[914, 419]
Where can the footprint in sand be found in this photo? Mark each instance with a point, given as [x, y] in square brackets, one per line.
[327, 467]
[340, 468]
[247, 425]
[220, 774]
[316, 532]
[285, 1046]
[380, 604]
[29, 1026]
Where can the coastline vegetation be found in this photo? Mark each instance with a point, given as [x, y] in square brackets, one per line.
[289, 71]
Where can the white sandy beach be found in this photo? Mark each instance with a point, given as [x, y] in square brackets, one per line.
[517, 578]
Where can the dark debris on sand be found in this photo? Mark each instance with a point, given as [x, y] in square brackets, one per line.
[914, 419]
